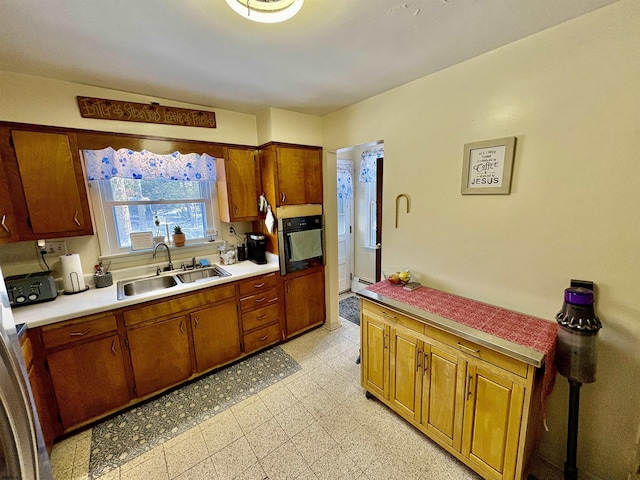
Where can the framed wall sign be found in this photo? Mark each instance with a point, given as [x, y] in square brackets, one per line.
[487, 167]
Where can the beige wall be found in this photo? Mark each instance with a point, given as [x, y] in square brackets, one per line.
[571, 96]
[277, 125]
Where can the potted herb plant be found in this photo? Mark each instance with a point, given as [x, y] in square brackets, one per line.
[179, 238]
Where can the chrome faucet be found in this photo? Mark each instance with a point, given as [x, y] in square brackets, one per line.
[155, 250]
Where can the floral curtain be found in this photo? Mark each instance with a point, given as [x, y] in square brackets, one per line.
[345, 183]
[108, 163]
[368, 164]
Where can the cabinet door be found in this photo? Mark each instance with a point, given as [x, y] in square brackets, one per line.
[304, 301]
[159, 355]
[443, 394]
[88, 379]
[8, 223]
[216, 335]
[238, 185]
[53, 183]
[406, 373]
[492, 417]
[374, 356]
[299, 176]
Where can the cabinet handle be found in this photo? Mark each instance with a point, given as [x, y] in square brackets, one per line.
[418, 360]
[235, 209]
[195, 322]
[259, 285]
[283, 197]
[469, 379]
[385, 341]
[468, 349]
[388, 315]
[262, 317]
[182, 326]
[75, 218]
[260, 300]
[288, 288]
[262, 339]
[4, 217]
[425, 362]
[79, 334]
[113, 347]
[273, 300]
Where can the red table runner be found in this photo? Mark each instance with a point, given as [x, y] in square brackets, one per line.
[532, 332]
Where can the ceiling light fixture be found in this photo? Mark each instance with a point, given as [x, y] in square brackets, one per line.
[266, 11]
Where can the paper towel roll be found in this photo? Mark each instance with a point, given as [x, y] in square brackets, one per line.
[72, 276]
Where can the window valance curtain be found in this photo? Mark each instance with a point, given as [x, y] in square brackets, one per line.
[368, 164]
[345, 183]
[124, 163]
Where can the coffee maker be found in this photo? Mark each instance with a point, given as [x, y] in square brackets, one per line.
[257, 248]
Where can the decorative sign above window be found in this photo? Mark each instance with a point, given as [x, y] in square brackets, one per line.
[487, 166]
[105, 109]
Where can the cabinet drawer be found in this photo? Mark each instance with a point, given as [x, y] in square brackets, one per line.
[477, 351]
[259, 317]
[257, 284]
[259, 299]
[393, 317]
[178, 304]
[75, 330]
[261, 338]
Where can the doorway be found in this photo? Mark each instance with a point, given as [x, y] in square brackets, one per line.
[360, 174]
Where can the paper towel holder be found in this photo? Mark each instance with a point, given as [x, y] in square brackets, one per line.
[73, 278]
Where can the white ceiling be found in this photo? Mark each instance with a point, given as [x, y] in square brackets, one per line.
[332, 54]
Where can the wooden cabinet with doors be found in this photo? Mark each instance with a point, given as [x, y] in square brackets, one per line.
[238, 185]
[291, 174]
[303, 300]
[473, 401]
[260, 312]
[48, 192]
[216, 335]
[87, 368]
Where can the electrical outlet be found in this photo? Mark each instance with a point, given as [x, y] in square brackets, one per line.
[55, 248]
[232, 231]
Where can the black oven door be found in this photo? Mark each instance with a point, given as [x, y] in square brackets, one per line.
[302, 249]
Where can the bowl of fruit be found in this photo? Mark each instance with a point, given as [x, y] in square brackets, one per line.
[398, 277]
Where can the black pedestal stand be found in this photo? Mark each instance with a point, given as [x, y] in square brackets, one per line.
[570, 468]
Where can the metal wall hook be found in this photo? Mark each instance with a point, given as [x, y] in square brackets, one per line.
[398, 204]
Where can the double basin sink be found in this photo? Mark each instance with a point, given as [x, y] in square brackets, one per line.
[138, 286]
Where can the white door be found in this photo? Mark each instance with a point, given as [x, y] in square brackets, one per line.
[345, 228]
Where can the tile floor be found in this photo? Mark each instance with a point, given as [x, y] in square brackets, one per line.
[314, 424]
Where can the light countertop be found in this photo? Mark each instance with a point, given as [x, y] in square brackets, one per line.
[96, 300]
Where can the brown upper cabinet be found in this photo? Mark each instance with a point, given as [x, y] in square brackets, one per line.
[238, 182]
[48, 195]
[291, 175]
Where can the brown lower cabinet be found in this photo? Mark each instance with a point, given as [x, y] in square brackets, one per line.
[86, 368]
[304, 300]
[160, 354]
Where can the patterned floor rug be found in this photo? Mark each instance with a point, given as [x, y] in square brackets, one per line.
[136, 431]
[349, 308]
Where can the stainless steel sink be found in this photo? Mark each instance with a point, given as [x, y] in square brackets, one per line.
[129, 288]
[202, 274]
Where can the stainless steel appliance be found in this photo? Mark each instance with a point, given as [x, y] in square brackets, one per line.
[257, 248]
[23, 455]
[30, 288]
[300, 237]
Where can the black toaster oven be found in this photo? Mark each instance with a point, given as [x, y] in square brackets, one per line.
[30, 288]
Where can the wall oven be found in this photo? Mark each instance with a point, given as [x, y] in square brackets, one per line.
[300, 237]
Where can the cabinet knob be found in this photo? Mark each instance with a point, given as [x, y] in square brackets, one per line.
[75, 218]
[4, 217]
